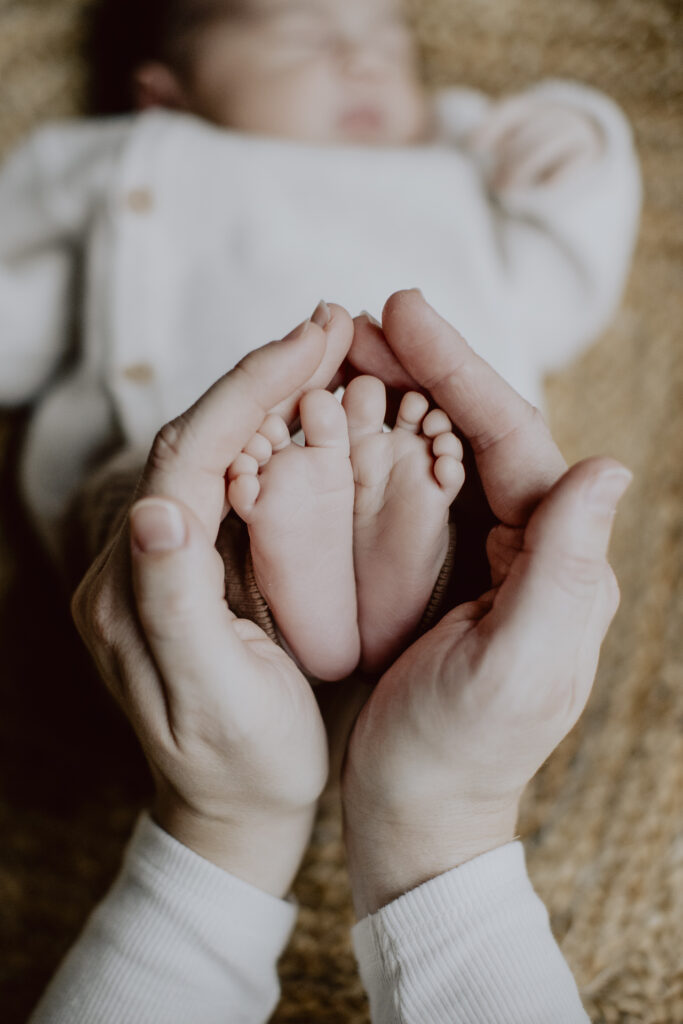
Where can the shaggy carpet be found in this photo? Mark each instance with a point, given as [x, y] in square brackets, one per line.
[603, 820]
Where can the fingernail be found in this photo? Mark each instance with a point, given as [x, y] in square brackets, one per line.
[321, 314]
[604, 493]
[157, 526]
[369, 317]
[297, 332]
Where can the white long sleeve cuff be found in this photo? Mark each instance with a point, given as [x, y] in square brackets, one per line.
[472, 945]
[176, 939]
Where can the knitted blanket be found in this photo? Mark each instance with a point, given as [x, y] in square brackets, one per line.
[602, 822]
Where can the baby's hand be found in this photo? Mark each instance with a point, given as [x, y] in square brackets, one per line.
[531, 141]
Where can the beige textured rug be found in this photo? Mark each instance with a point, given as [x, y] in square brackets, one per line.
[603, 821]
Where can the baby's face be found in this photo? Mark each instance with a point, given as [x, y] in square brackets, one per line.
[329, 71]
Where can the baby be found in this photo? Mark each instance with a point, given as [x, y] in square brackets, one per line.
[287, 149]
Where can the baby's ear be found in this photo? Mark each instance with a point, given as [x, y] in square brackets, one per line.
[155, 85]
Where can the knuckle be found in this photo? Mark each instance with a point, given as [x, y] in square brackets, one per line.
[576, 574]
[99, 619]
[457, 369]
[86, 590]
[170, 616]
[533, 420]
[503, 546]
[529, 420]
[168, 444]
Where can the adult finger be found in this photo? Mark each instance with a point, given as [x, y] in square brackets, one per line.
[338, 327]
[371, 355]
[191, 453]
[559, 596]
[179, 587]
[517, 459]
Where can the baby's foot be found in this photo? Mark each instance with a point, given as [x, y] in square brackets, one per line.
[406, 481]
[298, 504]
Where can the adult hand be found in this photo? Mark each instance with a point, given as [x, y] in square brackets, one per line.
[455, 729]
[229, 726]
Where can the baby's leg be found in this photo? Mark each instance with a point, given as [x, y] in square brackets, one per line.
[298, 505]
[406, 481]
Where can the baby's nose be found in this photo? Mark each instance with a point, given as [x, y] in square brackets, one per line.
[358, 56]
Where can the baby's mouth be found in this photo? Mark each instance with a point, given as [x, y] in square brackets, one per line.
[362, 122]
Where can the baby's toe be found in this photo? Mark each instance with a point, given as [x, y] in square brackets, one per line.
[436, 422]
[243, 465]
[365, 404]
[411, 412]
[323, 421]
[447, 444]
[276, 432]
[259, 448]
[450, 474]
[243, 493]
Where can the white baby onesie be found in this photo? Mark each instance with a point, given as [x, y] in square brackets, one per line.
[182, 246]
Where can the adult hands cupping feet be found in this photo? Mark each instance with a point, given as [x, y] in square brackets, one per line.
[444, 746]
[455, 729]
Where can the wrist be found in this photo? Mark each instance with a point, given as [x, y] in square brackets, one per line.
[391, 853]
[260, 848]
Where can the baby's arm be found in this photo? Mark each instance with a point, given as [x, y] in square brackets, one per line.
[559, 163]
[46, 191]
[529, 141]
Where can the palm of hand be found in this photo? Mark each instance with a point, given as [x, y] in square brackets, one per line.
[278, 721]
[218, 717]
[466, 698]
[244, 716]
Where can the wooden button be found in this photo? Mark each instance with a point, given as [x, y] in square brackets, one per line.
[138, 373]
[140, 200]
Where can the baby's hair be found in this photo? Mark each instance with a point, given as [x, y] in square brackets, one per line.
[123, 34]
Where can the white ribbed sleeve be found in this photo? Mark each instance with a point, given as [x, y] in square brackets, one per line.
[472, 946]
[176, 940]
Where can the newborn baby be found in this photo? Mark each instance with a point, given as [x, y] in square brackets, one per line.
[286, 150]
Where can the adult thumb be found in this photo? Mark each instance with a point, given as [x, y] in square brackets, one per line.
[553, 609]
[179, 588]
[572, 526]
[561, 579]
